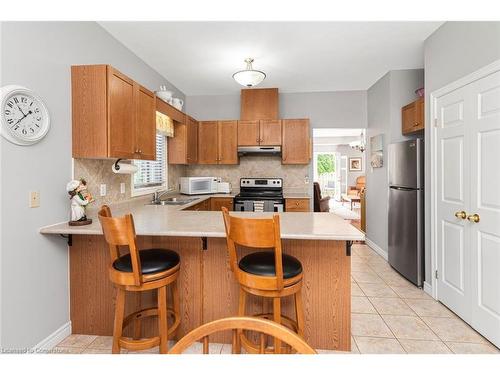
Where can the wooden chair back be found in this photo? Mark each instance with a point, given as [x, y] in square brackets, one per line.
[262, 326]
[258, 234]
[120, 231]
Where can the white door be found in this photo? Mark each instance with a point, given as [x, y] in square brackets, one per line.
[343, 174]
[337, 177]
[485, 202]
[468, 179]
[453, 176]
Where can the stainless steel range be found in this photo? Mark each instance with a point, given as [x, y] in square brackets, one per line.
[260, 194]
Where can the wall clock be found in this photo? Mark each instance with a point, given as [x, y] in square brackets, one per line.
[24, 118]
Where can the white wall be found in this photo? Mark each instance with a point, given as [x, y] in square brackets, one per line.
[339, 109]
[451, 52]
[385, 99]
[34, 267]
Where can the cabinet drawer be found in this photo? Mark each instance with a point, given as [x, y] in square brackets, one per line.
[297, 205]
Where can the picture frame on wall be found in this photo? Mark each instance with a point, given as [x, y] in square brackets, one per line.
[355, 165]
[377, 151]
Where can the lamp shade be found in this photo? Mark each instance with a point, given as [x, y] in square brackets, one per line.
[249, 77]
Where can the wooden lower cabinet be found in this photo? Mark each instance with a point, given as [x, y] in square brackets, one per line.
[217, 203]
[209, 291]
[202, 206]
[297, 205]
[212, 204]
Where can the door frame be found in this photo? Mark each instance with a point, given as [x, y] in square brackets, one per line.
[432, 119]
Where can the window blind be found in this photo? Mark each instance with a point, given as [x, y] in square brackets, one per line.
[152, 173]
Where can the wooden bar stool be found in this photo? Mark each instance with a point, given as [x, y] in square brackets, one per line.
[138, 271]
[269, 274]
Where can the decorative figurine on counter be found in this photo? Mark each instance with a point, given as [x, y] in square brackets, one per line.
[80, 197]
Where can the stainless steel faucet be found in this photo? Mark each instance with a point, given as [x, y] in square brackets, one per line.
[158, 194]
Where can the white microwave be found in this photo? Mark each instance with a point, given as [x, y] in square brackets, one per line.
[198, 185]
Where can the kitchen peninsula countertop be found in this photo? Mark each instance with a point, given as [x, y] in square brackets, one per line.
[172, 220]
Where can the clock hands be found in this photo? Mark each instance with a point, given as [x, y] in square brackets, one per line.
[20, 110]
[22, 118]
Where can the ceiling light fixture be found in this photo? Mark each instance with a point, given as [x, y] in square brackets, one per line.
[249, 77]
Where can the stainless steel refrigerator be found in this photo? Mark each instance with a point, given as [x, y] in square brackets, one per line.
[406, 209]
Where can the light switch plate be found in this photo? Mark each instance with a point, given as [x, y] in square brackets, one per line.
[34, 199]
[103, 190]
[122, 187]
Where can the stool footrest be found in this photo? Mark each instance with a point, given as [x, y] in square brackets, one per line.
[142, 344]
[152, 311]
[254, 348]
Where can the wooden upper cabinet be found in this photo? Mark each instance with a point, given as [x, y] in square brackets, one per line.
[183, 146]
[207, 142]
[259, 133]
[218, 142]
[259, 104]
[296, 142]
[270, 132]
[192, 140]
[228, 142]
[146, 124]
[248, 133]
[122, 124]
[113, 116]
[412, 117]
[177, 145]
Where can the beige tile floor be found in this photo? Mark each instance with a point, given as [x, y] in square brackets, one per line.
[389, 315]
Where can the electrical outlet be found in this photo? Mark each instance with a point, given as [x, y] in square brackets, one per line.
[306, 179]
[34, 199]
[122, 188]
[103, 190]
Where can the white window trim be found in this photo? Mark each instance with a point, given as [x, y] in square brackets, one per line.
[150, 190]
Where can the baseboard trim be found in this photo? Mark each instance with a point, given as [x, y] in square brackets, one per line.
[54, 338]
[428, 289]
[377, 248]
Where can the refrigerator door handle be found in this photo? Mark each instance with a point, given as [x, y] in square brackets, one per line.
[401, 188]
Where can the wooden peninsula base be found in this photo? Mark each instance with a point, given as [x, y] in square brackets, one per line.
[208, 290]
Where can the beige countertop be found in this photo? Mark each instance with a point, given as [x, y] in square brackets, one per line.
[171, 220]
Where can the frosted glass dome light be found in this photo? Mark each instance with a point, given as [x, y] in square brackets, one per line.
[249, 77]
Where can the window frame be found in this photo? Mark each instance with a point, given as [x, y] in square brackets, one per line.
[137, 192]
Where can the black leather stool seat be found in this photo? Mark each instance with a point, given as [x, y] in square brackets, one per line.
[262, 264]
[152, 261]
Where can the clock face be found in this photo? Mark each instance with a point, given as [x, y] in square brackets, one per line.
[25, 119]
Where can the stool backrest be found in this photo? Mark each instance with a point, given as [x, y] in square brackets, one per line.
[254, 233]
[120, 231]
[247, 323]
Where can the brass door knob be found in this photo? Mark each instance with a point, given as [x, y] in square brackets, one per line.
[473, 218]
[461, 215]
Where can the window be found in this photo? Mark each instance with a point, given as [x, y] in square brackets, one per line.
[151, 175]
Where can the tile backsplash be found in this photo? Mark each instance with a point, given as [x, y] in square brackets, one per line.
[98, 171]
[294, 176]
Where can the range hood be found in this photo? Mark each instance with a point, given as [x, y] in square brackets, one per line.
[259, 150]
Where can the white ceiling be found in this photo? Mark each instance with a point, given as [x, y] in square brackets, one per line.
[200, 57]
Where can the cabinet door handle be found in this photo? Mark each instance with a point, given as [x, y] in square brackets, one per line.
[415, 124]
[461, 215]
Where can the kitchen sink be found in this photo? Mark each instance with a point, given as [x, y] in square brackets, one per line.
[172, 201]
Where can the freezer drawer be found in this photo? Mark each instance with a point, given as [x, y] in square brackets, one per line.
[405, 233]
